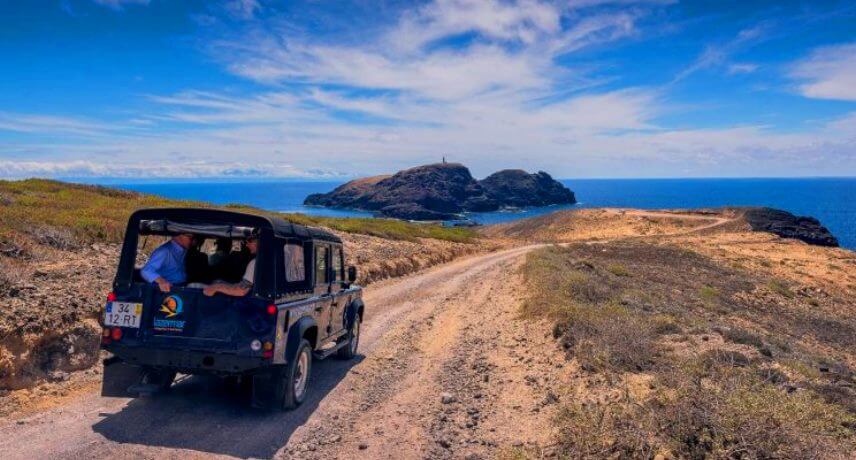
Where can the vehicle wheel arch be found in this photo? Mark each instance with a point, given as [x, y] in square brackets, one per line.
[355, 308]
[305, 328]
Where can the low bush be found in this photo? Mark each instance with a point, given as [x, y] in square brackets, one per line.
[55, 237]
[728, 412]
[591, 325]
[742, 336]
[708, 293]
[605, 430]
[780, 288]
[618, 270]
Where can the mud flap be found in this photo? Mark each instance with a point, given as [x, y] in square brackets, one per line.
[119, 377]
[267, 392]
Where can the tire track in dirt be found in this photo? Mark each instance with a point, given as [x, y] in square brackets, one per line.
[420, 336]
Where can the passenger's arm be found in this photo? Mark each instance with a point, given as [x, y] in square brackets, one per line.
[150, 270]
[237, 290]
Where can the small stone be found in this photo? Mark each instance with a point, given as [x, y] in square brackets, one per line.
[363, 446]
[551, 398]
[447, 398]
[444, 443]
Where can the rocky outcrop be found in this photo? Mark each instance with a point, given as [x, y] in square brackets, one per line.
[350, 193]
[515, 187]
[787, 225]
[443, 191]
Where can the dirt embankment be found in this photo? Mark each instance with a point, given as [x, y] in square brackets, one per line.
[51, 298]
[694, 336]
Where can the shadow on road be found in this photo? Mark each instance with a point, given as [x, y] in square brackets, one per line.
[205, 414]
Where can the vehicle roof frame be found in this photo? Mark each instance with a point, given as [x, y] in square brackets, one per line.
[268, 228]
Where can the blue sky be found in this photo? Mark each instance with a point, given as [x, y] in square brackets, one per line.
[329, 89]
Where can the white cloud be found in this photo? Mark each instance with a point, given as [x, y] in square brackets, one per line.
[174, 170]
[119, 4]
[401, 96]
[242, 9]
[829, 73]
[512, 47]
[718, 55]
[742, 67]
[33, 123]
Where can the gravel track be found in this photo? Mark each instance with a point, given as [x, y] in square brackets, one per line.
[445, 370]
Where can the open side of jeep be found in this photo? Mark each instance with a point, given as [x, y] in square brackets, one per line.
[302, 305]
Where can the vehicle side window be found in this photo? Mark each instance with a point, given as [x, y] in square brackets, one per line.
[294, 264]
[321, 256]
[338, 272]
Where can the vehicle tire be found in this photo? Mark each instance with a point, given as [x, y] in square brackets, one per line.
[353, 338]
[162, 378]
[295, 381]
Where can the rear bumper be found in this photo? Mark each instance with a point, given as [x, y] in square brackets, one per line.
[189, 362]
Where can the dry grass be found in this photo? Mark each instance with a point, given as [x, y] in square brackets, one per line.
[734, 400]
[713, 409]
[590, 322]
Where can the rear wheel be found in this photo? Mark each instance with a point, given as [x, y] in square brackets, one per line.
[349, 351]
[295, 379]
[161, 378]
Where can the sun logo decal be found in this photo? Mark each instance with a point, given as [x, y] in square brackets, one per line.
[172, 306]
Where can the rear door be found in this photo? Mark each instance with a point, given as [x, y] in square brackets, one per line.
[322, 290]
[341, 298]
[187, 318]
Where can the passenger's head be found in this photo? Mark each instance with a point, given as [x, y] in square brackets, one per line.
[253, 245]
[184, 240]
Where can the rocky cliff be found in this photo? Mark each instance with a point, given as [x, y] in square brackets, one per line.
[787, 225]
[444, 190]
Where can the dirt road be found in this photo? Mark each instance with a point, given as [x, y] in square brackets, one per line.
[446, 370]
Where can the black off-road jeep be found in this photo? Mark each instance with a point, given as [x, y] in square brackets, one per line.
[302, 305]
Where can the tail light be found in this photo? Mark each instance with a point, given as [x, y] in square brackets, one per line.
[111, 296]
[116, 333]
[267, 354]
[271, 309]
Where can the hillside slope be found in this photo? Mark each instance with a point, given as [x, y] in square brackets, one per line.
[59, 246]
[650, 335]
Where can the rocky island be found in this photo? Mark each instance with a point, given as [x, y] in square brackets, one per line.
[444, 190]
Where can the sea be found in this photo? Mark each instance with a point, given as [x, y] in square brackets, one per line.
[831, 200]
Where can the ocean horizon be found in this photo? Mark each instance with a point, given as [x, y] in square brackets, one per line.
[832, 200]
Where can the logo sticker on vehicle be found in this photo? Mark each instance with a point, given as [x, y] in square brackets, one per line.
[171, 307]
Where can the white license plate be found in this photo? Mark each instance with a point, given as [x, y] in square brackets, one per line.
[123, 314]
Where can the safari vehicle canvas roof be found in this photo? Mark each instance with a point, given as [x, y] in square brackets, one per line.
[216, 222]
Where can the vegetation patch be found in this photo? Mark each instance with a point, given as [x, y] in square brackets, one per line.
[64, 215]
[707, 398]
[780, 288]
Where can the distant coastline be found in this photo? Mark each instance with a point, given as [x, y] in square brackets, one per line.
[831, 200]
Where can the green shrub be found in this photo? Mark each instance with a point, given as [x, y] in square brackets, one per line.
[780, 288]
[618, 270]
[708, 293]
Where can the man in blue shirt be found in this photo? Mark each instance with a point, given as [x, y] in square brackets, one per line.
[166, 264]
